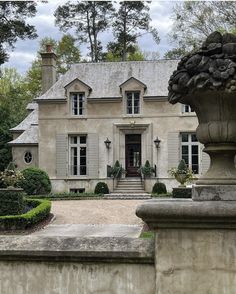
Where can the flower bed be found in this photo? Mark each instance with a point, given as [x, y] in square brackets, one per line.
[40, 210]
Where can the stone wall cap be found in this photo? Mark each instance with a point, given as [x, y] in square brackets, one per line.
[186, 213]
[102, 249]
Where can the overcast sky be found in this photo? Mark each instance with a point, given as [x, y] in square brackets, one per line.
[25, 51]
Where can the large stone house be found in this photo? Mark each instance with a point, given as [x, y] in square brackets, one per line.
[68, 129]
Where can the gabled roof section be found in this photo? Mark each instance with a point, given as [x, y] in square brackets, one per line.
[105, 78]
[135, 80]
[31, 118]
[80, 82]
[28, 137]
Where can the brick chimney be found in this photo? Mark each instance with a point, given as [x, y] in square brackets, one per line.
[48, 68]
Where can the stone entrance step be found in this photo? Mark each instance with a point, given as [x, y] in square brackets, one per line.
[127, 186]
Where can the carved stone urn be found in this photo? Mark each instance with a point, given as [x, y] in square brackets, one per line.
[206, 80]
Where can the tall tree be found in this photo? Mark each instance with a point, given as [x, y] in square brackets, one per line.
[13, 24]
[131, 20]
[13, 101]
[88, 18]
[195, 20]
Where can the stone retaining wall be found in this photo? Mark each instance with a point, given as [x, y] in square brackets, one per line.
[62, 265]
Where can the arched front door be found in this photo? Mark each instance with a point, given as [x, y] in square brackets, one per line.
[132, 154]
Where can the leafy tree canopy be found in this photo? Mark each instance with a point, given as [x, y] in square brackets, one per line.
[131, 20]
[13, 24]
[88, 18]
[195, 20]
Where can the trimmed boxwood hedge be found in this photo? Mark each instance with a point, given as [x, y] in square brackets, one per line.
[41, 209]
[11, 201]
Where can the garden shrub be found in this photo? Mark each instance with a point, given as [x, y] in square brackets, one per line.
[147, 170]
[182, 192]
[41, 209]
[36, 181]
[11, 201]
[117, 170]
[159, 188]
[101, 188]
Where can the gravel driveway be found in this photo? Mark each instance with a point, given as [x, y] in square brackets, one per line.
[96, 212]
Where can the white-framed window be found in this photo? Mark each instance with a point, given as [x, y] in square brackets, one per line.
[132, 102]
[190, 151]
[78, 155]
[77, 102]
[28, 157]
[187, 109]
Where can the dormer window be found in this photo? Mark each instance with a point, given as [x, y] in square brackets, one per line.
[133, 102]
[77, 103]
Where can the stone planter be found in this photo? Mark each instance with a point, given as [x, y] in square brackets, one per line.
[216, 112]
[206, 80]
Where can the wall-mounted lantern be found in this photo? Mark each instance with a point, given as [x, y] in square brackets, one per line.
[107, 143]
[157, 142]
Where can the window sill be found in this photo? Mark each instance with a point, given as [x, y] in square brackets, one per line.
[133, 115]
[77, 117]
[77, 178]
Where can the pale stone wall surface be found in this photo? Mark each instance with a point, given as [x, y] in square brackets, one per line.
[75, 278]
[18, 155]
[72, 265]
[195, 261]
[106, 119]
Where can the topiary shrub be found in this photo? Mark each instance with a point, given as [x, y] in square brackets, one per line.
[36, 181]
[117, 170]
[147, 170]
[101, 188]
[159, 188]
[11, 201]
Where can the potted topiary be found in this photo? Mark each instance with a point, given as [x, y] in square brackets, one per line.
[117, 170]
[147, 170]
[183, 175]
[11, 196]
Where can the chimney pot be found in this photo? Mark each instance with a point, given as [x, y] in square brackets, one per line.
[49, 48]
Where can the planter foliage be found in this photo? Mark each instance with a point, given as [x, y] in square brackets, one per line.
[159, 188]
[182, 192]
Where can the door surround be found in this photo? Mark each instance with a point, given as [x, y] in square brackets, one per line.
[146, 132]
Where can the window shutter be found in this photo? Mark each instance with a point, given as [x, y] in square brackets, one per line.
[61, 155]
[205, 160]
[92, 155]
[173, 150]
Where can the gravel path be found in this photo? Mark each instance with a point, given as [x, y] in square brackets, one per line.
[96, 212]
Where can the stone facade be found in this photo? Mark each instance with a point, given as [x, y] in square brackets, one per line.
[100, 110]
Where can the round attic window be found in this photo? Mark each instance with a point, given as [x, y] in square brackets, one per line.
[28, 157]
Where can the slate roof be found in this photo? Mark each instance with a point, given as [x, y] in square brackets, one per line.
[106, 77]
[29, 136]
[32, 118]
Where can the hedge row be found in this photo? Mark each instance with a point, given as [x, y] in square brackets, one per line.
[59, 196]
[41, 209]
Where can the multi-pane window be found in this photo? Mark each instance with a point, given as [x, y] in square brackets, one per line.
[78, 150]
[133, 102]
[77, 103]
[190, 151]
[187, 108]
